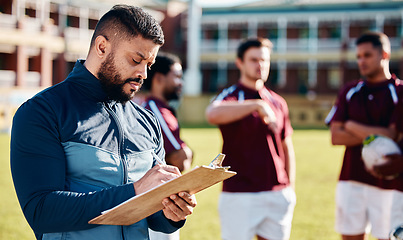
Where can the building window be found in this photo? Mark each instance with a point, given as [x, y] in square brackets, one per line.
[6, 6]
[55, 18]
[392, 27]
[273, 80]
[335, 32]
[359, 27]
[303, 33]
[73, 21]
[213, 84]
[210, 34]
[330, 33]
[30, 12]
[237, 31]
[272, 33]
[92, 23]
[303, 81]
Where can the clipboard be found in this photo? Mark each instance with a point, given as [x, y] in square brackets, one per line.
[150, 202]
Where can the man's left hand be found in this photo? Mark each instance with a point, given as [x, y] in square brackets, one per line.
[178, 206]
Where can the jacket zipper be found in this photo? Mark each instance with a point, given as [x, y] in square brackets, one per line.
[122, 159]
[120, 130]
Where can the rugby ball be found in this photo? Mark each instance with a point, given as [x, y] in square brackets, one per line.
[375, 147]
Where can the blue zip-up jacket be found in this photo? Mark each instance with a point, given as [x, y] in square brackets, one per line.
[75, 154]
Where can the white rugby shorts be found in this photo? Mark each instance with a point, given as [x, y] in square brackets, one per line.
[362, 208]
[163, 236]
[397, 209]
[267, 214]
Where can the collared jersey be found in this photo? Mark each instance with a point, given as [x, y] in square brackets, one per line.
[372, 104]
[169, 124]
[74, 154]
[252, 149]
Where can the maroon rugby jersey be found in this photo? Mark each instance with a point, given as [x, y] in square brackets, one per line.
[251, 148]
[370, 104]
[169, 124]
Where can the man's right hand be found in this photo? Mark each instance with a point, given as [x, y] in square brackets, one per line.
[267, 115]
[393, 166]
[154, 177]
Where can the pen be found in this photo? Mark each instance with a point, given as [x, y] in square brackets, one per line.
[157, 158]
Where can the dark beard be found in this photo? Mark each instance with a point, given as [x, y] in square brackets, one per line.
[112, 82]
[172, 95]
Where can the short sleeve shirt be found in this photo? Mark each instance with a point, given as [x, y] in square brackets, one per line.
[252, 149]
[371, 104]
[169, 124]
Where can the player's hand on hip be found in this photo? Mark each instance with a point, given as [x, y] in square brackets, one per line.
[156, 176]
[178, 206]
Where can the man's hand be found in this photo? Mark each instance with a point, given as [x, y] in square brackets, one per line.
[267, 115]
[156, 176]
[178, 206]
[393, 166]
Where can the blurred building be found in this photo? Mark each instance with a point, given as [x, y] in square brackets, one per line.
[314, 52]
[40, 41]
[314, 46]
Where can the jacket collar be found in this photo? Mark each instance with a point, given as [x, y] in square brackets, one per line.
[88, 82]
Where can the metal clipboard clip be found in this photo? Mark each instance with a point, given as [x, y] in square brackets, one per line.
[217, 162]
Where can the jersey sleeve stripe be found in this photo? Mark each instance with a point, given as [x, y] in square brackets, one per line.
[393, 93]
[351, 92]
[241, 96]
[164, 125]
[225, 93]
[329, 117]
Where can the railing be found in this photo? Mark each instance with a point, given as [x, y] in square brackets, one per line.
[31, 25]
[80, 34]
[292, 45]
[8, 21]
[7, 78]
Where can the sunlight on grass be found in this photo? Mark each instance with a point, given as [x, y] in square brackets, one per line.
[12, 221]
[318, 166]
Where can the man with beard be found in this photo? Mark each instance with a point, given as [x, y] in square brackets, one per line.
[82, 147]
[364, 107]
[256, 131]
[164, 85]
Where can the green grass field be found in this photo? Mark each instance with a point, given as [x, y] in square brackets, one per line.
[318, 166]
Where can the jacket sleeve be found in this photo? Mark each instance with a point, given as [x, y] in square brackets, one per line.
[158, 222]
[38, 168]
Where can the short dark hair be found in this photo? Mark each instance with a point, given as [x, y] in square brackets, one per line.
[379, 40]
[163, 63]
[123, 22]
[253, 42]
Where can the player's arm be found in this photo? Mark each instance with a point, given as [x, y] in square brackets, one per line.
[181, 158]
[362, 131]
[223, 112]
[340, 136]
[289, 159]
